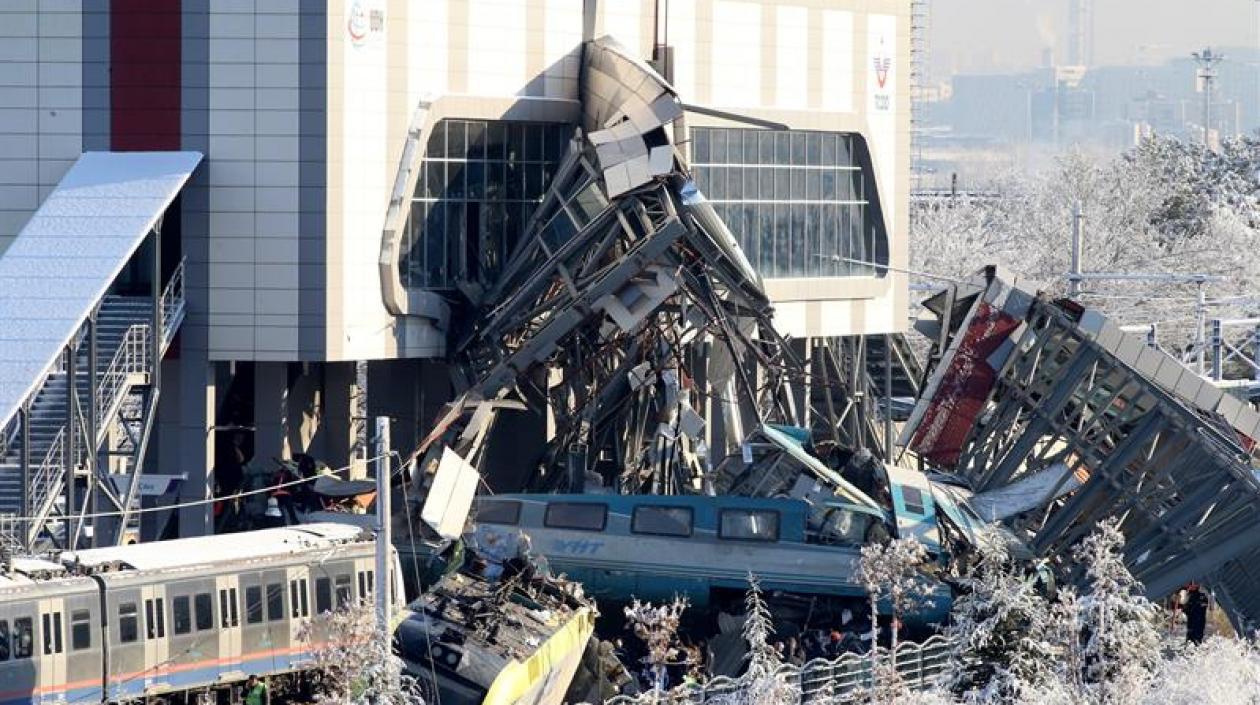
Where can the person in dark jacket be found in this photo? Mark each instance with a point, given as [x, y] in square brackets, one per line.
[1196, 607]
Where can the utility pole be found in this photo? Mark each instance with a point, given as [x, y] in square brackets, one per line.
[1207, 61]
[384, 538]
[1074, 281]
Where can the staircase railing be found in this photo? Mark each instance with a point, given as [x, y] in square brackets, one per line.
[133, 356]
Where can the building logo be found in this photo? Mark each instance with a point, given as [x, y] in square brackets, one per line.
[883, 64]
[363, 23]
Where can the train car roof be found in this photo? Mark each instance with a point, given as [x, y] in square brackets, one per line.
[31, 572]
[202, 550]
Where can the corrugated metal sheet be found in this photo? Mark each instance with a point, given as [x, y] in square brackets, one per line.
[72, 249]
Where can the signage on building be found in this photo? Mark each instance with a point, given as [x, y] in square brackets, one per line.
[883, 65]
[365, 22]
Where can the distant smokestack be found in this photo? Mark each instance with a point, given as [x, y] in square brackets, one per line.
[1080, 32]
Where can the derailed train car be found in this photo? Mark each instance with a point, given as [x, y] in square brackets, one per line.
[174, 621]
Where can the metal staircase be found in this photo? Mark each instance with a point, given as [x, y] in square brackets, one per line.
[35, 459]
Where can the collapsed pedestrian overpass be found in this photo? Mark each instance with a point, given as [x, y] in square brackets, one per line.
[1032, 393]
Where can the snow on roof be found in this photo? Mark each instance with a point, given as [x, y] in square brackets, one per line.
[202, 550]
[68, 254]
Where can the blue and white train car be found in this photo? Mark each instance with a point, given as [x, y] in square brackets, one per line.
[166, 621]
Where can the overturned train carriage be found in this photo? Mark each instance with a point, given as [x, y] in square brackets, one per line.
[1048, 408]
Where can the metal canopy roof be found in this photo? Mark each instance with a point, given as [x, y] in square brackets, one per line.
[69, 254]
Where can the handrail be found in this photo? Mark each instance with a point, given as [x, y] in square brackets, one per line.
[133, 356]
[920, 665]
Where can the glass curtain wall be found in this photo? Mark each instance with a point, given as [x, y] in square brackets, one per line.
[800, 203]
[479, 185]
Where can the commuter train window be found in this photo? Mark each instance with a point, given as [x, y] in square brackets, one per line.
[275, 602]
[128, 622]
[345, 591]
[4, 640]
[80, 630]
[298, 606]
[52, 633]
[367, 579]
[662, 521]
[499, 512]
[24, 637]
[253, 604]
[204, 605]
[912, 498]
[323, 595]
[749, 524]
[576, 515]
[228, 615]
[181, 607]
[155, 615]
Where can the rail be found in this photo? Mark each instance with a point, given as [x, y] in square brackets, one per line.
[844, 679]
[133, 356]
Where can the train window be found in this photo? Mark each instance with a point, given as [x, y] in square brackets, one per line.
[749, 525]
[204, 605]
[345, 591]
[576, 515]
[367, 580]
[181, 609]
[253, 604]
[4, 640]
[662, 521]
[80, 630]
[52, 633]
[912, 498]
[228, 615]
[498, 512]
[275, 602]
[323, 595]
[155, 616]
[128, 622]
[298, 605]
[23, 637]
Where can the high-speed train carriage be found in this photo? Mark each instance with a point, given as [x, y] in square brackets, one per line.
[153, 620]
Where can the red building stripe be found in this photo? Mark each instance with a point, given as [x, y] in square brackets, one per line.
[145, 62]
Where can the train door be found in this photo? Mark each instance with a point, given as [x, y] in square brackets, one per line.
[50, 650]
[157, 644]
[254, 637]
[227, 588]
[299, 586]
[83, 647]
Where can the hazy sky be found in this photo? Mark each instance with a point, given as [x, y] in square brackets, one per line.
[1008, 35]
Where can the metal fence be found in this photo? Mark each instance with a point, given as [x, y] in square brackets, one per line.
[820, 681]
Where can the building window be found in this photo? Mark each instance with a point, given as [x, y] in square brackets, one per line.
[800, 203]
[478, 186]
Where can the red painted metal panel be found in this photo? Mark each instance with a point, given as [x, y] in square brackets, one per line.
[145, 65]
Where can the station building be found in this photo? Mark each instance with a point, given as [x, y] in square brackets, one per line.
[297, 264]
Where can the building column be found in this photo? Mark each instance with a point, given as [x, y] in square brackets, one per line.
[271, 412]
[196, 403]
[338, 413]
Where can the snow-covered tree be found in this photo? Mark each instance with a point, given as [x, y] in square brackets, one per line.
[1122, 639]
[1218, 672]
[764, 685]
[893, 571]
[657, 627]
[356, 665]
[1000, 629]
